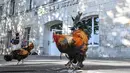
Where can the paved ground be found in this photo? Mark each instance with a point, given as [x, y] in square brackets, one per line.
[55, 65]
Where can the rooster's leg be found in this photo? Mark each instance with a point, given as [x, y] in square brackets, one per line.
[72, 65]
[18, 62]
[80, 65]
[22, 61]
[80, 61]
[68, 64]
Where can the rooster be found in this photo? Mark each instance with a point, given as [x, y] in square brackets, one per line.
[75, 46]
[19, 54]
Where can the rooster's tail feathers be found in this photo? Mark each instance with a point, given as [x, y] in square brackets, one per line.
[8, 57]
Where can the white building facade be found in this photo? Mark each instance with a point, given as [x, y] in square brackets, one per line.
[110, 21]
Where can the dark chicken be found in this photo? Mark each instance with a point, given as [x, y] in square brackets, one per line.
[19, 54]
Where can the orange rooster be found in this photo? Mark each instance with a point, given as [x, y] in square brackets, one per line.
[75, 46]
[19, 54]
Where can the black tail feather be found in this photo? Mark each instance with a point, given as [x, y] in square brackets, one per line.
[8, 57]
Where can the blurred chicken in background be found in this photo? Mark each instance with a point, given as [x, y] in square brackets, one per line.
[19, 54]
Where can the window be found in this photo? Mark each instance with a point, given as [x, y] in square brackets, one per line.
[1, 11]
[9, 37]
[27, 35]
[30, 5]
[12, 7]
[93, 23]
[58, 27]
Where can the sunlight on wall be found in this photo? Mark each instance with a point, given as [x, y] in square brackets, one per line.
[23, 2]
[19, 29]
[114, 33]
[8, 23]
[41, 11]
[119, 9]
[110, 14]
[40, 29]
[57, 14]
[81, 7]
[110, 45]
[128, 1]
[129, 22]
[49, 18]
[122, 20]
[20, 21]
[126, 42]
